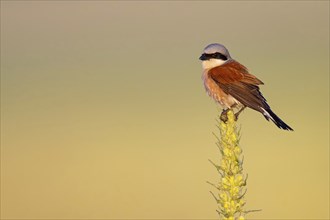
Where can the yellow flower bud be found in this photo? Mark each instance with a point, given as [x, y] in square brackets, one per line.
[232, 182]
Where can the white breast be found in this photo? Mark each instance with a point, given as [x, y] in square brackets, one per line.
[211, 87]
[211, 63]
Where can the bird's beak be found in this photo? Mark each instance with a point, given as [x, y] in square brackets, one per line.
[203, 57]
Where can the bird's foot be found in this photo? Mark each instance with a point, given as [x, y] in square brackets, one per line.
[238, 113]
[223, 116]
[236, 116]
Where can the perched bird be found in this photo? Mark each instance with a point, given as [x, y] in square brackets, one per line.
[231, 85]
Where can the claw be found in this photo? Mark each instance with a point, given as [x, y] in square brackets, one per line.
[223, 116]
[239, 112]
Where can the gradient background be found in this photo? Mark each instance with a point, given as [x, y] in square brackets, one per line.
[104, 115]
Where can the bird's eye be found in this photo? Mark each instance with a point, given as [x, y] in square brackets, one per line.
[221, 56]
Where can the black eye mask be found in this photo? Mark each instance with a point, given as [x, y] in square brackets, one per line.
[217, 55]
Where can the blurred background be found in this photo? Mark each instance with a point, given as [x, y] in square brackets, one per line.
[104, 114]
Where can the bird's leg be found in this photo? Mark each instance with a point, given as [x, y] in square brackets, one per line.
[223, 116]
[239, 112]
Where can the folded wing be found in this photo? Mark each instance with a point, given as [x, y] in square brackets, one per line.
[234, 79]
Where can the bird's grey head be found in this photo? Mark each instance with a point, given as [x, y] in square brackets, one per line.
[214, 55]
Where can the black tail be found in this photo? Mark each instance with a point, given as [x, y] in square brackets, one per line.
[269, 114]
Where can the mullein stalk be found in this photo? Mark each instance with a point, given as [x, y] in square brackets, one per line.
[231, 187]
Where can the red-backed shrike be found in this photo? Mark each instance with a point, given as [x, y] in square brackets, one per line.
[231, 85]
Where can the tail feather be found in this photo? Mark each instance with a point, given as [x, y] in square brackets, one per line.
[269, 114]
